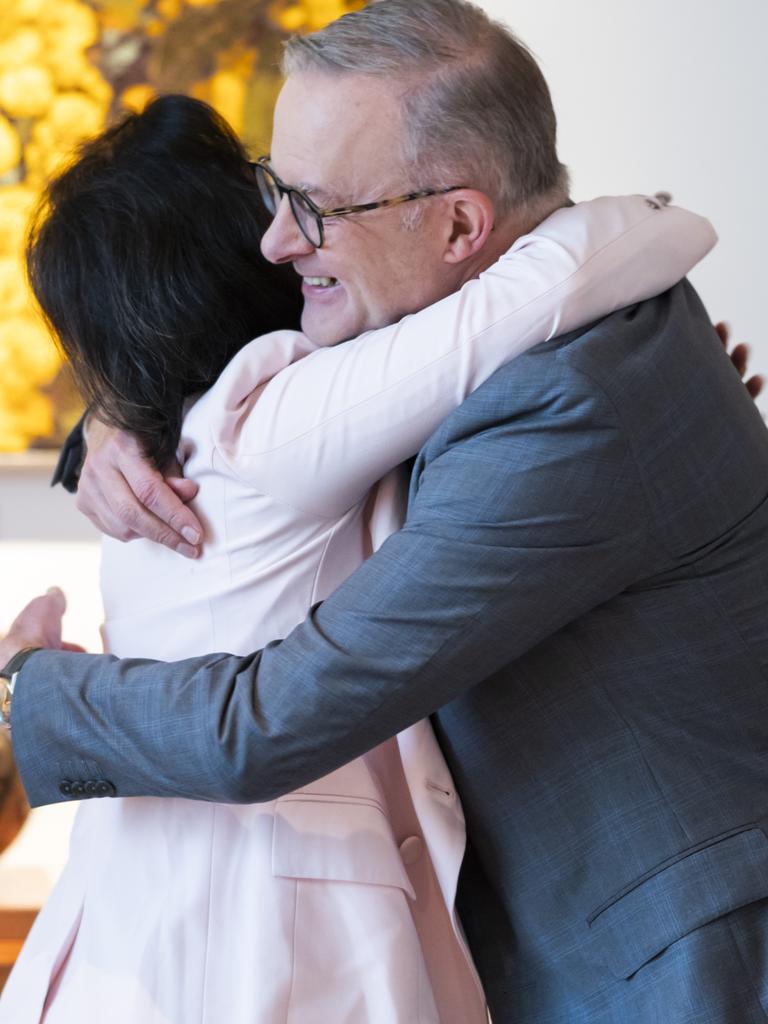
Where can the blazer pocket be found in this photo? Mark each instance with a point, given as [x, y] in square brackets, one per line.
[701, 884]
[336, 839]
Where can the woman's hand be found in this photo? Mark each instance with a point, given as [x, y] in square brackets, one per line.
[740, 359]
[125, 497]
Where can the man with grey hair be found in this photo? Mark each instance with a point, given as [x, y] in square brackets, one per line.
[578, 596]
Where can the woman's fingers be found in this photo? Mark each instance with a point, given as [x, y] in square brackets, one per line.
[723, 332]
[740, 359]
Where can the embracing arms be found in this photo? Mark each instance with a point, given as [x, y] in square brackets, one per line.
[527, 511]
[325, 428]
[578, 265]
[507, 539]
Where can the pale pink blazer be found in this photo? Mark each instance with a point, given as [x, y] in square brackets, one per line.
[334, 904]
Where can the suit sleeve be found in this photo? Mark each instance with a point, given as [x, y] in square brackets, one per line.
[512, 534]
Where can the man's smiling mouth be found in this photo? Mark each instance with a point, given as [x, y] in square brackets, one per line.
[321, 282]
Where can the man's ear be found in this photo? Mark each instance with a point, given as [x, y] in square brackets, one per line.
[472, 216]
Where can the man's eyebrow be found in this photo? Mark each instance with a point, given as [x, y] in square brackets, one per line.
[320, 195]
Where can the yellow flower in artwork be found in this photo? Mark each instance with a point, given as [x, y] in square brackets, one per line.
[320, 12]
[119, 15]
[14, 296]
[55, 59]
[68, 67]
[27, 351]
[23, 419]
[29, 10]
[68, 25]
[169, 9]
[27, 91]
[20, 47]
[291, 18]
[310, 15]
[227, 91]
[28, 361]
[10, 146]
[92, 84]
[137, 97]
[16, 205]
[73, 116]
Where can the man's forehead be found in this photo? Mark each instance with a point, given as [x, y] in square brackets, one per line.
[327, 128]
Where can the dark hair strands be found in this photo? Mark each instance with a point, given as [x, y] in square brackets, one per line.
[145, 258]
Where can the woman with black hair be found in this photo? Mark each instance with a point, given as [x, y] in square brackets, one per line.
[335, 903]
[146, 257]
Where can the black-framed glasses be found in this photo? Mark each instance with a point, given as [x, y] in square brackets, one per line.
[308, 215]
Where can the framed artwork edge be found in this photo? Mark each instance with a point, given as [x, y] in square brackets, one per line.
[32, 460]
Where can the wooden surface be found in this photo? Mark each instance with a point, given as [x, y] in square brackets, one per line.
[14, 926]
[13, 802]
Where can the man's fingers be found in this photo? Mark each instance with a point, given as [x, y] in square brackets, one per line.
[186, 490]
[118, 513]
[137, 519]
[97, 505]
[66, 646]
[755, 385]
[123, 494]
[125, 497]
[162, 501]
[95, 500]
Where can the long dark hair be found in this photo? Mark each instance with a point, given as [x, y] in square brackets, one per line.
[144, 256]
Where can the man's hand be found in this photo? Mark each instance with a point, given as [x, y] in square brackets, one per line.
[38, 625]
[125, 497]
[740, 359]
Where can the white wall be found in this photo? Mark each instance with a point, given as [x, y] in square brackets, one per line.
[43, 541]
[667, 94]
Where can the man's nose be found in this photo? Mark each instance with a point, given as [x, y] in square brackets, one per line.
[283, 240]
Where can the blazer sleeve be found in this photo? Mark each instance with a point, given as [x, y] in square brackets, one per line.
[513, 533]
[71, 458]
[322, 431]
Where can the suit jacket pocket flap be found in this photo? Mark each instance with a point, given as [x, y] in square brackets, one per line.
[336, 839]
[700, 885]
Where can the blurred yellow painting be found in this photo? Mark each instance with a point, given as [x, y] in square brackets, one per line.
[67, 68]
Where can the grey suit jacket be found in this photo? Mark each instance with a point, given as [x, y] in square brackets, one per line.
[580, 598]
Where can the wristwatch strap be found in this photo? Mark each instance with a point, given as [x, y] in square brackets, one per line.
[8, 683]
[17, 661]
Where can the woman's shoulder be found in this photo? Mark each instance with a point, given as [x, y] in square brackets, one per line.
[255, 365]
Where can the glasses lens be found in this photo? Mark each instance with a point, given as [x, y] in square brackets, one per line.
[310, 223]
[270, 193]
